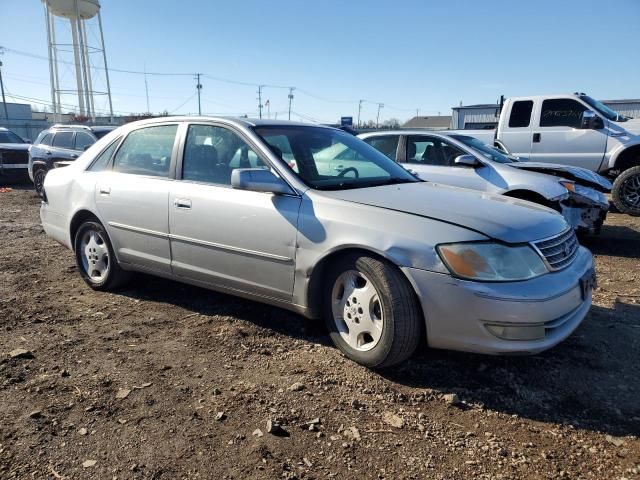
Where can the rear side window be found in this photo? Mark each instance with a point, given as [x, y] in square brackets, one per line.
[521, 114]
[83, 140]
[387, 144]
[146, 151]
[63, 140]
[561, 112]
[102, 161]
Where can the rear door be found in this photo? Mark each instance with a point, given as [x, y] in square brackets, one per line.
[132, 197]
[432, 158]
[559, 138]
[515, 130]
[62, 147]
[387, 144]
[236, 239]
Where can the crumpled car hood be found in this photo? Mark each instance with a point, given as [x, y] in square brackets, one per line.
[579, 175]
[496, 216]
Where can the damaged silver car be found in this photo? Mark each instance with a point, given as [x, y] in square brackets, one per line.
[464, 161]
[314, 220]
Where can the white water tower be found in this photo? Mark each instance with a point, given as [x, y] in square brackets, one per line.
[72, 53]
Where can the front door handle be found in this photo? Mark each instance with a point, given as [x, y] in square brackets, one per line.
[105, 190]
[183, 203]
[536, 138]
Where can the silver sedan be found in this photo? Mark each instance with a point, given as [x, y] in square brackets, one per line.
[312, 219]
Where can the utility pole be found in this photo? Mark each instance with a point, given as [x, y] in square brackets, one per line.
[199, 88]
[260, 100]
[380, 105]
[359, 110]
[417, 112]
[291, 89]
[4, 100]
[146, 88]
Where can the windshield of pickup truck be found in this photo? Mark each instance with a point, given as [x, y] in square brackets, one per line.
[329, 159]
[8, 136]
[485, 150]
[604, 110]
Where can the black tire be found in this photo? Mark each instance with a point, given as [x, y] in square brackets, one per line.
[623, 190]
[403, 320]
[114, 276]
[38, 179]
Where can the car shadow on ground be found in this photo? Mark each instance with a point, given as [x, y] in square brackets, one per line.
[585, 383]
[589, 381]
[615, 240]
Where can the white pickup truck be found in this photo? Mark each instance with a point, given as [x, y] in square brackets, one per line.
[572, 129]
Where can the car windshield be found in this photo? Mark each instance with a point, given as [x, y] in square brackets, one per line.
[101, 133]
[8, 136]
[329, 159]
[485, 150]
[604, 110]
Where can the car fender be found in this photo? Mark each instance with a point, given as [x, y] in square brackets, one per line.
[634, 142]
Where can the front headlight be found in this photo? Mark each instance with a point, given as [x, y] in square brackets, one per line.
[487, 261]
[586, 193]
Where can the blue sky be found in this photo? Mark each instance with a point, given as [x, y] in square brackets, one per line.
[427, 55]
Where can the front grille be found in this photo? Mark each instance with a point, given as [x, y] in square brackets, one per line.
[14, 157]
[559, 251]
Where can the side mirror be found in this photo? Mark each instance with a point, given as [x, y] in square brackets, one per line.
[467, 161]
[591, 121]
[27, 140]
[258, 180]
[86, 147]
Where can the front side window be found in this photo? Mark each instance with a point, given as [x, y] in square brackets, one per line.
[425, 150]
[330, 159]
[387, 144]
[211, 153]
[521, 114]
[102, 161]
[146, 151]
[561, 112]
[45, 140]
[83, 141]
[63, 140]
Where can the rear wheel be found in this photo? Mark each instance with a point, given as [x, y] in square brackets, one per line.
[371, 311]
[38, 180]
[95, 258]
[626, 191]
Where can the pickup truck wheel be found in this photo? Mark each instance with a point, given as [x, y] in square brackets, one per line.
[371, 311]
[626, 191]
[95, 258]
[38, 180]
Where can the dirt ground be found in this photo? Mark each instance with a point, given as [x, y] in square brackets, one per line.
[163, 381]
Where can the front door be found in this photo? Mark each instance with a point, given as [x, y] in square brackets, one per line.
[231, 238]
[132, 197]
[62, 147]
[559, 138]
[433, 160]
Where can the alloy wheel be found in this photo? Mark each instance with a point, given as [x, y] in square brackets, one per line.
[630, 191]
[357, 310]
[94, 254]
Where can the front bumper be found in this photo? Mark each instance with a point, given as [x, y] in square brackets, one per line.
[583, 214]
[457, 312]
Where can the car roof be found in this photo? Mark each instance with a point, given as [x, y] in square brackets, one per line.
[241, 121]
[96, 128]
[383, 133]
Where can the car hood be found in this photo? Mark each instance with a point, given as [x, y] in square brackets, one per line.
[15, 146]
[632, 125]
[496, 216]
[579, 175]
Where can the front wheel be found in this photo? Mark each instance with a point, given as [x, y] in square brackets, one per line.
[371, 311]
[38, 180]
[95, 258]
[626, 191]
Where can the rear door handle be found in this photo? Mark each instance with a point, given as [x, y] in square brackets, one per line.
[105, 190]
[183, 203]
[536, 138]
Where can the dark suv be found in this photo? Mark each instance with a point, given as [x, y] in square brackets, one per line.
[59, 145]
[14, 155]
